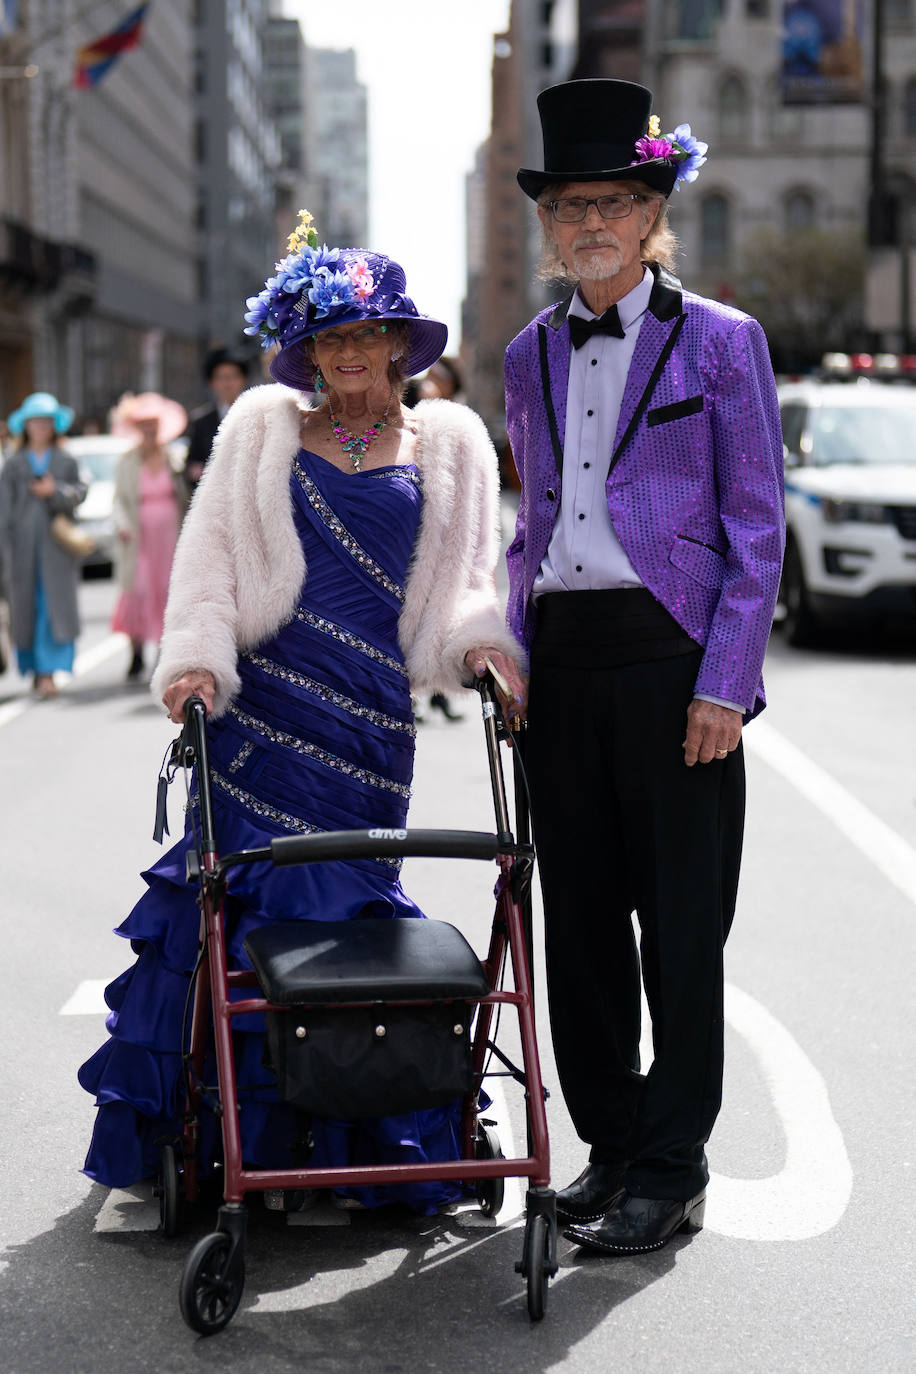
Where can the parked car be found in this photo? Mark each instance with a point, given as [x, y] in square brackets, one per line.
[850, 460]
[97, 456]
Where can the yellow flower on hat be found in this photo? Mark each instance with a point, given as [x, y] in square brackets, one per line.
[655, 127]
[303, 235]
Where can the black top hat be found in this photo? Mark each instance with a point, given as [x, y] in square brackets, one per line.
[590, 131]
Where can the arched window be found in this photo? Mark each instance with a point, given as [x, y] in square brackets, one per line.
[909, 108]
[799, 211]
[715, 231]
[733, 110]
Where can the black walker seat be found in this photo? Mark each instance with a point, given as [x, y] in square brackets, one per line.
[402, 959]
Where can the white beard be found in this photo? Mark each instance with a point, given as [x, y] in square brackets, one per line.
[590, 266]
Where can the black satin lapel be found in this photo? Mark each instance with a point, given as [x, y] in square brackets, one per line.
[637, 365]
[553, 350]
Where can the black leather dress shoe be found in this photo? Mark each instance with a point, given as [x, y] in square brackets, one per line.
[636, 1224]
[594, 1191]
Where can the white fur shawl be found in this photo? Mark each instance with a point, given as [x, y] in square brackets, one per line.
[239, 566]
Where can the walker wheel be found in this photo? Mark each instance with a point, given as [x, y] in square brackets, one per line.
[490, 1191]
[168, 1187]
[536, 1264]
[210, 1292]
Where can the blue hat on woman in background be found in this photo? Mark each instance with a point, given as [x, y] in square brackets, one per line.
[319, 288]
[41, 405]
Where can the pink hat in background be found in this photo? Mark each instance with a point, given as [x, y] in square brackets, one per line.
[149, 405]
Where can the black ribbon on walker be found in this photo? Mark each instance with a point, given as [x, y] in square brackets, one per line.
[167, 770]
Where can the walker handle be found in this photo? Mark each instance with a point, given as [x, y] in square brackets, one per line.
[383, 844]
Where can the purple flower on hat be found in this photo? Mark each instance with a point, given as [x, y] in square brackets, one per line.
[649, 148]
[692, 153]
[330, 291]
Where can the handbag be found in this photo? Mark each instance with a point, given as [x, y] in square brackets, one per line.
[370, 1061]
[70, 537]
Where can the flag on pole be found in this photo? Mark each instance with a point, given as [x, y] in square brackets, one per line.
[93, 60]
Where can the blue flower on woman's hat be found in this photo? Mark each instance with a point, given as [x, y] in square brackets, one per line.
[41, 405]
[316, 288]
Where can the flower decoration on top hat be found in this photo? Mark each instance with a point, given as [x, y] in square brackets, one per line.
[316, 287]
[593, 128]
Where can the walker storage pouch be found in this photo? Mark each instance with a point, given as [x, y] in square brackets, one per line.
[332, 1058]
[370, 1061]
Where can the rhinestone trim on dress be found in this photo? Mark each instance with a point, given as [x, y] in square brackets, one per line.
[241, 756]
[343, 536]
[352, 641]
[314, 751]
[398, 472]
[270, 813]
[325, 693]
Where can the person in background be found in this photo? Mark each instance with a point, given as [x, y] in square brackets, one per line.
[443, 380]
[643, 575]
[150, 501]
[226, 374]
[39, 481]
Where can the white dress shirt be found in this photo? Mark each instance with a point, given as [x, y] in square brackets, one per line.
[584, 553]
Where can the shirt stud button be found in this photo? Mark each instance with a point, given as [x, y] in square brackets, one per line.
[589, 412]
[594, 362]
[578, 567]
[581, 517]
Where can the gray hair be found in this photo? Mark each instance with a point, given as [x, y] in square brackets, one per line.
[659, 246]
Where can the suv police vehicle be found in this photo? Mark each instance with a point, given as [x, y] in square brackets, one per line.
[850, 474]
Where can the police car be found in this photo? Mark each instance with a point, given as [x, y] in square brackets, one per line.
[850, 474]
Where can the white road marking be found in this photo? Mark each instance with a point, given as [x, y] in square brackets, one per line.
[812, 1190]
[888, 851]
[88, 999]
[82, 664]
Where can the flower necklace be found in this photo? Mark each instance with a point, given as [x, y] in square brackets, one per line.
[355, 446]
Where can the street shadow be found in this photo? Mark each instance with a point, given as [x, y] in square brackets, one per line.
[894, 643]
[399, 1286]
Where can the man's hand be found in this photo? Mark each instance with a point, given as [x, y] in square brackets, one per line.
[192, 684]
[712, 732]
[517, 699]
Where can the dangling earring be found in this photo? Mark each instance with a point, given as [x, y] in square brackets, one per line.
[319, 380]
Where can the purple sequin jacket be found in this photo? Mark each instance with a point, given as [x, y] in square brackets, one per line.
[694, 489]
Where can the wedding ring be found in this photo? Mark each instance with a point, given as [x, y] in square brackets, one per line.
[721, 753]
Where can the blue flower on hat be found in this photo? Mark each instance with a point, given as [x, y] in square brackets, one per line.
[260, 317]
[331, 290]
[689, 151]
[300, 269]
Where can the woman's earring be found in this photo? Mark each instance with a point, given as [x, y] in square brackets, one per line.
[319, 380]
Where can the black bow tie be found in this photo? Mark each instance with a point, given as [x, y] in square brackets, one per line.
[580, 331]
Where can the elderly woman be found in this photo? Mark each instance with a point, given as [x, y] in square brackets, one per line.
[334, 557]
[39, 481]
[150, 499]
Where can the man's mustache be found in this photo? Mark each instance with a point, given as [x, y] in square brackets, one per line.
[595, 241]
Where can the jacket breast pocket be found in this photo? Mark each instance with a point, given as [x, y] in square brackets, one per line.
[675, 411]
[699, 561]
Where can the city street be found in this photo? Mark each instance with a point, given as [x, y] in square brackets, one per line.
[806, 1262]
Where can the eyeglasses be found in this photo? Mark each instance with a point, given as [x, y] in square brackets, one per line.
[574, 209]
[365, 337]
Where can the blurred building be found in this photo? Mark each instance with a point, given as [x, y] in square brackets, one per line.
[337, 160]
[98, 290]
[502, 292]
[286, 85]
[238, 153]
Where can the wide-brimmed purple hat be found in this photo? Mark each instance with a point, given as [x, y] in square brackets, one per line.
[319, 288]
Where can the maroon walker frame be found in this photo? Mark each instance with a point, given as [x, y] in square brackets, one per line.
[213, 1278]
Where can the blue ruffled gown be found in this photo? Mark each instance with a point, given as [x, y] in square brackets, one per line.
[320, 737]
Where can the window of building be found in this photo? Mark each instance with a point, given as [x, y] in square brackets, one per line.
[898, 13]
[799, 211]
[909, 108]
[757, 9]
[733, 110]
[698, 18]
[714, 222]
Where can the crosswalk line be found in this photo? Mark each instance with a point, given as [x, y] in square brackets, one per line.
[88, 999]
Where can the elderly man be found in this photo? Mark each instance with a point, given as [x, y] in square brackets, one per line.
[643, 577]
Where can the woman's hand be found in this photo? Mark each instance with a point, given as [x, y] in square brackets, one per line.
[516, 702]
[44, 486]
[193, 684]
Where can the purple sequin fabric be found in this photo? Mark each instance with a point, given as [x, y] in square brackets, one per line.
[696, 497]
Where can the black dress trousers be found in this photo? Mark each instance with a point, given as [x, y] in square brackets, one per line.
[622, 825]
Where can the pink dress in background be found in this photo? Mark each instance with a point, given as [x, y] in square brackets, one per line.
[139, 612]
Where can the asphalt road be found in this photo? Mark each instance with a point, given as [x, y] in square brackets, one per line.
[806, 1262]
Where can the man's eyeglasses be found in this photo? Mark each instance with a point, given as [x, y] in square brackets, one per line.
[573, 209]
[365, 337]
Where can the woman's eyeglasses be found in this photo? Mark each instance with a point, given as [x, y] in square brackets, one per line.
[364, 337]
